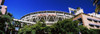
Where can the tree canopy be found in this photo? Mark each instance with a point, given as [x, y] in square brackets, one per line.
[63, 27]
[66, 26]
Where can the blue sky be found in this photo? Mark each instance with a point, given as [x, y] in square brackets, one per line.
[20, 8]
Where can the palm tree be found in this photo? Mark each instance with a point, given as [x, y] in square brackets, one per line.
[96, 2]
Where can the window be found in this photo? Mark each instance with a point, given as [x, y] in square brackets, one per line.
[42, 18]
[97, 26]
[33, 16]
[89, 19]
[27, 20]
[34, 20]
[26, 17]
[95, 21]
[91, 25]
[51, 19]
[60, 19]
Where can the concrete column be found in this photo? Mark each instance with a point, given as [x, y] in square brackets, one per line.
[92, 21]
[0, 2]
[95, 26]
[3, 9]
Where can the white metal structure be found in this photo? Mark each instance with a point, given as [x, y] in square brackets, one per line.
[78, 11]
[24, 21]
[50, 17]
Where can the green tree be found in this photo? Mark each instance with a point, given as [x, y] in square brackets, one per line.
[85, 30]
[61, 27]
[0, 13]
[37, 28]
[6, 19]
[64, 27]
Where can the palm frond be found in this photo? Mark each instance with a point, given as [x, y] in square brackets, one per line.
[95, 2]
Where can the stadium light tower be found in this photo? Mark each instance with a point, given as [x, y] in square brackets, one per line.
[78, 10]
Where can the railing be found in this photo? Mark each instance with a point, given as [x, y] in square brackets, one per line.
[24, 21]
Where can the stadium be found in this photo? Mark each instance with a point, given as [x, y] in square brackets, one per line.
[49, 17]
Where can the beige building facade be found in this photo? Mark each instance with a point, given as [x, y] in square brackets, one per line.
[88, 21]
[3, 8]
[0, 2]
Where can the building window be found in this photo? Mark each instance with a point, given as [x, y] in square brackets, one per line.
[94, 25]
[34, 20]
[42, 18]
[51, 19]
[95, 21]
[33, 16]
[97, 26]
[90, 19]
[26, 17]
[60, 19]
[91, 25]
[27, 20]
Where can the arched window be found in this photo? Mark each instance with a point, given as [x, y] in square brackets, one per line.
[34, 20]
[51, 19]
[60, 19]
